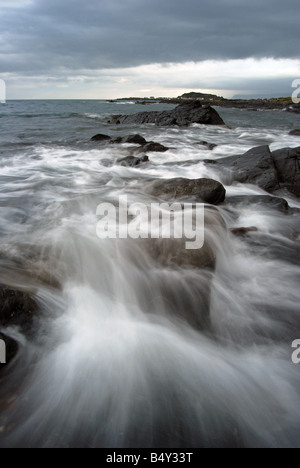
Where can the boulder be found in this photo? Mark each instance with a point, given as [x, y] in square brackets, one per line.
[17, 307]
[201, 190]
[131, 161]
[287, 164]
[183, 115]
[135, 139]
[295, 132]
[152, 146]
[100, 137]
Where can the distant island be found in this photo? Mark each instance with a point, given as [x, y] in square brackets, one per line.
[281, 103]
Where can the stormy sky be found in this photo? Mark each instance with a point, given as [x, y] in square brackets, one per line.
[114, 48]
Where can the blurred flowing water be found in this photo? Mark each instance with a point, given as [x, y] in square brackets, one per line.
[119, 357]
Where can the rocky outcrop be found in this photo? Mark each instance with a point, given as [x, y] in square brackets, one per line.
[270, 171]
[201, 190]
[254, 167]
[295, 132]
[287, 165]
[183, 115]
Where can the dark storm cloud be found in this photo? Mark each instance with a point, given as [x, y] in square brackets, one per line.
[46, 36]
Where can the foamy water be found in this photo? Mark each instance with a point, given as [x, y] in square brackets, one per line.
[120, 357]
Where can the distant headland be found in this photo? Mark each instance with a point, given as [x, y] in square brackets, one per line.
[281, 103]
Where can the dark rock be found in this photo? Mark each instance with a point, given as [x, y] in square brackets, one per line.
[243, 231]
[209, 146]
[254, 167]
[287, 164]
[183, 115]
[265, 201]
[295, 132]
[132, 139]
[131, 161]
[11, 347]
[152, 146]
[209, 161]
[135, 139]
[204, 190]
[17, 307]
[100, 137]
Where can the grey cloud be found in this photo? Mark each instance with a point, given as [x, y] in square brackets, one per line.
[47, 35]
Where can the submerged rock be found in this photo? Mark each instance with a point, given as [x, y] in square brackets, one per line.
[183, 115]
[243, 231]
[202, 190]
[131, 161]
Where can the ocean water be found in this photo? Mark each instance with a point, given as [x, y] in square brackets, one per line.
[119, 357]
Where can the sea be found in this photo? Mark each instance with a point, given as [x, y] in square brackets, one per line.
[117, 358]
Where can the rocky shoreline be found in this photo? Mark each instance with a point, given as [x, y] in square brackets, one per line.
[276, 172]
[281, 104]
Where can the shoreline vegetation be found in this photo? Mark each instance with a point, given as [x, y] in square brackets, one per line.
[280, 103]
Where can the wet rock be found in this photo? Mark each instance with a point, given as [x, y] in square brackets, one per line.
[152, 146]
[274, 171]
[243, 231]
[202, 190]
[209, 146]
[295, 132]
[135, 139]
[131, 161]
[183, 115]
[100, 137]
[256, 166]
[131, 139]
[287, 164]
[17, 307]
